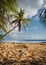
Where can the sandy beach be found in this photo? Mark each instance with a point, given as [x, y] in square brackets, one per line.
[22, 54]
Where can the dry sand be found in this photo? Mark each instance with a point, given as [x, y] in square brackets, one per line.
[22, 54]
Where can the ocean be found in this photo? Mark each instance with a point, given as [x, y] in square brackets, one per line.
[25, 41]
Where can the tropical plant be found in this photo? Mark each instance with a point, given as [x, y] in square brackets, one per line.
[6, 6]
[19, 20]
[1, 37]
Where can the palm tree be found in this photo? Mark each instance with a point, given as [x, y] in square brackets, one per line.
[19, 20]
[6, 6]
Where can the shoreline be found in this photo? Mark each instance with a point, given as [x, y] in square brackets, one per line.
[23, 42]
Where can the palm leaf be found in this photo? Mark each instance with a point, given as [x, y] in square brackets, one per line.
[3, 24]
[3, 27]
[14, 21]
[1, 36]
[6, 6]
[25, 22]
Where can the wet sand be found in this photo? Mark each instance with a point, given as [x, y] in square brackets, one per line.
[22, 54]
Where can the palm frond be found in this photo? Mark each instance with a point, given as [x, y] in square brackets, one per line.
[14, 21]
[25, 22]
[3, 28]
[7, 6]
[1, 36]
[3, 23]
[27, 19]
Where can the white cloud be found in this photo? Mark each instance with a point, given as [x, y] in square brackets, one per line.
[22, 36]
[38, 36]
[34, 27]
[31, 6]
[30, 12]
[40, 3]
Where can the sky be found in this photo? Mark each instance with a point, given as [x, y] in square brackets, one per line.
[30, 6]
[35, 29]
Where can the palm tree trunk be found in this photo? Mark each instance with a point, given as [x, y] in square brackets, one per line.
[19, 25]
[10, 31]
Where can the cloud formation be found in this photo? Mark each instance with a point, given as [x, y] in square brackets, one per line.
[30, 3]
[30, 6]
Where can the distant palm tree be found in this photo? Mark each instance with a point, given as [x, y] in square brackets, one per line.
[19, 20]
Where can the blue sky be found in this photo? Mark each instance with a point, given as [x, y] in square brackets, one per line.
[35, 29]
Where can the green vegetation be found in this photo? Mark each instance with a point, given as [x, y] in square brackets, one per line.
[6, 6]
[1, 37]
[19, 20]
[9, 8]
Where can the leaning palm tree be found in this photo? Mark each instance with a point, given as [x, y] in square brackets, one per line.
[6, 7]
[19, 20]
